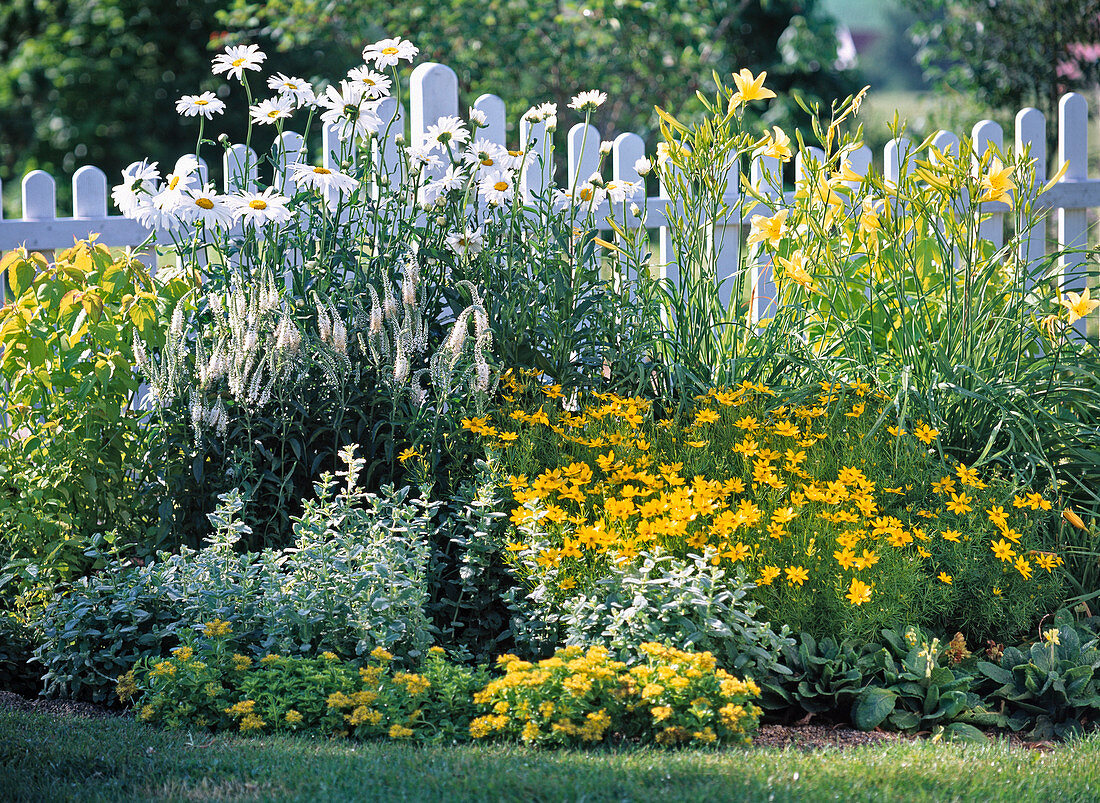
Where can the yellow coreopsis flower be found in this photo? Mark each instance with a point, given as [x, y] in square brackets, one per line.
[796, 575]
[944, 577]
[749, 87]
[858, 592]
[1079, 305]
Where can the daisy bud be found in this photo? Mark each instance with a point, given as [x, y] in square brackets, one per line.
[643, 166]
[399, 139]
[441, 220]
[223, 140]
[605, 147]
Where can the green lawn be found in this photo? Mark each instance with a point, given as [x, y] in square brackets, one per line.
[45, 757]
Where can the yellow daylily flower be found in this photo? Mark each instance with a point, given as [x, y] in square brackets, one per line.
[768, 229]
[1079, 304]
[794, 270]
[749, 87]
[778, 145]
[998, 183]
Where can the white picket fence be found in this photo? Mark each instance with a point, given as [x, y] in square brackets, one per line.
[434, 94]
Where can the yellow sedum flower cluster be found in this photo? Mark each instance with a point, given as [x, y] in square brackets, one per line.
[581, 696]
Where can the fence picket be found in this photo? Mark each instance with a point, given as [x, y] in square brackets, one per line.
[539, 166]
[985, 135]
[495, 129]
[627, 149]
[89, 193]
[1073, 133]
[433, 93]
[1031, 138]
[766, 175]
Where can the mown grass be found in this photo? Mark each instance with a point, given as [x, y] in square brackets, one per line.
[45, 757]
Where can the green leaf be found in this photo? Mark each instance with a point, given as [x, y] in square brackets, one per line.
[962, 732]
[872, 707]
[21, 274]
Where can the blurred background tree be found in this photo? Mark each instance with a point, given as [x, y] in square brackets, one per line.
[641, 52]
[95, 81]
[1010, 53]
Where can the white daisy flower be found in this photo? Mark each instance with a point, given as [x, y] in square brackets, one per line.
[424, 157]
[151, 215]
[388, 52]
[453, 179]
[588, 101]
[622, 191]
[605, 147]
[206, 104]
[183, 178]
[348, 108]
[374, 84]
[642, 166]
[496, 187]
[431, 195]
[466, 244]
[541, 113]
[478, 118]
[301, 91]
[238, 58]
[448, 130]
[482, 154]
[260, 208]
[272, 110]
[140, 178]
[204, 205]
[320, 178]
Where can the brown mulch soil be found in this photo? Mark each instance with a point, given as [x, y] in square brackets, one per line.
[809, 737]
[10, 701]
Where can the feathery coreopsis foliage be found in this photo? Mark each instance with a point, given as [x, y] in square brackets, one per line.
[845, 520]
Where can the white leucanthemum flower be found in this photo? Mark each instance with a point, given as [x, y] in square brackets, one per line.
[204, 205]
[260, 208]
[388, 52]
[206, 104]
[424, 157]
[497, 187]
[374, 84]
[447, 130]
[270, 111]
[541, 113]
[588, 101]
[478, 118]
[183, 178]
[307, 176]
[619, 192]
[288, 86]
[468, 243]
[238, 58]
[346, 106]
[139, 179]
[482, 154]
[642, 166]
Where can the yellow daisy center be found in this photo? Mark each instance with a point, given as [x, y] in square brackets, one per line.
[239, 62]
[500, 186]
[322, 170]
[256, 203]
[202, 103]
[204, 203]
[390, 51]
